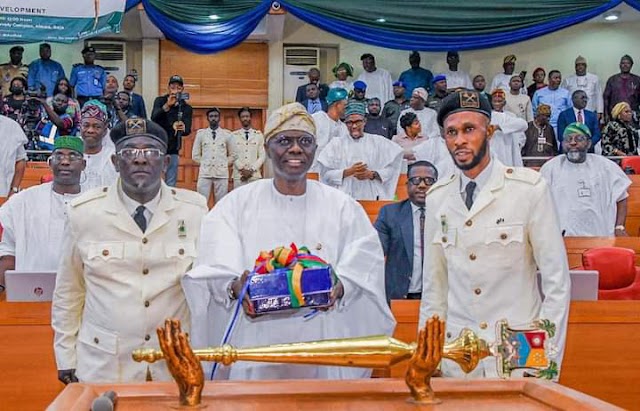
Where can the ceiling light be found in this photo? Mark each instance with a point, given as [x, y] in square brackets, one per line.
[612, 15]
[214, 17]
[381, 20]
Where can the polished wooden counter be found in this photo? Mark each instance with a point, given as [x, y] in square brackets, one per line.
[601, 359]
[373, 394]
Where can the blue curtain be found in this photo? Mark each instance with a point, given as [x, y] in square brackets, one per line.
[207, 38]
[633, 3]
[131, 4]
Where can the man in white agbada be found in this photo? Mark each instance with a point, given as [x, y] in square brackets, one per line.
[329, 125]
[378, 80]
[508, 137]
[365, 166]
[587, 82]
[100, 170]
[426, 116]
[33, 220]
[501, 80]
[456, 78]
[589, 191]
[276, 212]
[13, 157]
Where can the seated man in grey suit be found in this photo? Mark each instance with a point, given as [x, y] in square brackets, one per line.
[401, 229]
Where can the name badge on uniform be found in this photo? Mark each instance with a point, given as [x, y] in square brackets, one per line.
[182, 229]
[583, 190]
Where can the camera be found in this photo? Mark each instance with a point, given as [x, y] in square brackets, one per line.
[182, 96]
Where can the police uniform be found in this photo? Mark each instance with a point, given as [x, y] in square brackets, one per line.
[88, 80]
[248, 152]
[116, 284]
[8, 72]
[481, 263]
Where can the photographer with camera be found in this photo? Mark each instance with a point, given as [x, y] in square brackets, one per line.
[173, 114]
[56, 115]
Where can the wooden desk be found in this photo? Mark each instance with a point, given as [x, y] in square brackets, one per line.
[28, 380]
[601, 359]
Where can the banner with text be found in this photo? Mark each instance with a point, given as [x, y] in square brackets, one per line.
[61, 21]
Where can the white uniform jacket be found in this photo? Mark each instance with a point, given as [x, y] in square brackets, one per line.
[116, 284]
[480, 264]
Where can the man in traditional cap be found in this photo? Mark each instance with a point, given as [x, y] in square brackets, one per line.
[378, 80]
[45, 71]
[342, 71]
[426, 116]
[314, 78]
[508, 135]
[13, 156]
[589, 191]
[393, 108]
[440, 87]
[541, 139]
[587, 82]
[329, 125]
[416, 76]
[88, 78]
[125, 250]
[13, 68]
[622, 87]
[558, 98]
[456, 79]
[489, 229]
[100, 170]
[33, 220]
[501, 80]
[359, 92]
[277, 212]
[365, 166]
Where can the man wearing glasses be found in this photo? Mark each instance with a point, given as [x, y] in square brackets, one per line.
[589, 191]
[33, 220]
[125, 250]
[401, 230]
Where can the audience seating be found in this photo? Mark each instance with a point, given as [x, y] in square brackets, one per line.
[372, 208]
[619, 276]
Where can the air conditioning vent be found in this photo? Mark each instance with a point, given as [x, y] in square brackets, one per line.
[297, 62]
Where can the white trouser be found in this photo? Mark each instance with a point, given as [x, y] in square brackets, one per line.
[220, 187]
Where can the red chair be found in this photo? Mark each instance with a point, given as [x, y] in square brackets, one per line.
[47, 178]
[631, 161]
[617, 272]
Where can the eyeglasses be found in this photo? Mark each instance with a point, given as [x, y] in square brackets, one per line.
[147, 153]
[72, 157]
[287, 142]
[356, 123]
[427, 180]
[578, 138]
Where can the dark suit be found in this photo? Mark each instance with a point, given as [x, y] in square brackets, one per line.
[590, 120]
[323, 104]
[301, 93]
[395, 228]
[137, 106]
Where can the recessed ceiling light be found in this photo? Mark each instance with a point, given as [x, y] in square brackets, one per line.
[612, 15]
[381, 20]
[214, 16]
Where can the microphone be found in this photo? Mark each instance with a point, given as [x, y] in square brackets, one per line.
[105, 402]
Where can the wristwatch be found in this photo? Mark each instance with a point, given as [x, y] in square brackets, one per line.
[232, 295]
[620, 227]
[15, 189]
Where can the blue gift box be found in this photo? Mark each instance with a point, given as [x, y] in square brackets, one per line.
[273, 291]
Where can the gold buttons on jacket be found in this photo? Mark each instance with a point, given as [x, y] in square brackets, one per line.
[147, 337]
[484, 325]
[145, 271]
[503, 236]
[477, 291]
[96, 340]
[319, 246]
[181, 251]
[146, 303]
[472, 257]
[444, 239]
[509, 170]
[144, 240]
[105, 252]
[468, 223]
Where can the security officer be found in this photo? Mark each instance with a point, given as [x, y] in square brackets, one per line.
[13, 68]
[126, 249]
[88, 79]
[489, 229]
[248, 151]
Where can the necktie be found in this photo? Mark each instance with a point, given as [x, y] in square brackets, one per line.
[140, 219]
[214, 134]
[580, 118]
[468, 201]
[246, 135]
[422, 235]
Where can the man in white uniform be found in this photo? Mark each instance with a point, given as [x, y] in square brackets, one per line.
[275, 212]
[13, 157]
[125, 249]
[329, 125]
[587, 82]
[248, 151]
[426, 116]
[456, 78]
[589, 191]
[508, 137]
[489, 229]
[378, 80]
[212, 150]
[33, 220]
[100, 170]
[365, 166]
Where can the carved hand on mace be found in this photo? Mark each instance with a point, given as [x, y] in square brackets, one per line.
[183, 365]
[425, 360]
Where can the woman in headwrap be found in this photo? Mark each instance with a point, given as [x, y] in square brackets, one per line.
[538, 81]
[620, 135]
[342, 71]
